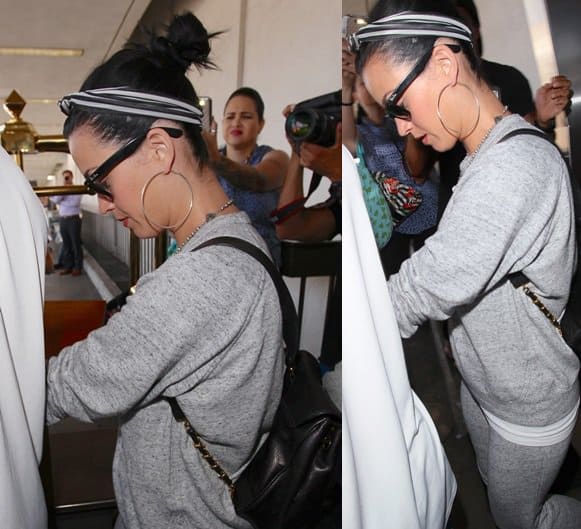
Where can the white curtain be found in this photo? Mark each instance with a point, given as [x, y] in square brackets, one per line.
[395, 471]
[23, 237]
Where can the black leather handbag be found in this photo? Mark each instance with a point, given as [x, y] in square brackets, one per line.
[294, 480]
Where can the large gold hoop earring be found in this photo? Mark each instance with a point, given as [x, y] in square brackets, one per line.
[153, 224]
[450, 130]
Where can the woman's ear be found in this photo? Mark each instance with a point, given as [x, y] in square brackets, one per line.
[161, 148]
[446, 63]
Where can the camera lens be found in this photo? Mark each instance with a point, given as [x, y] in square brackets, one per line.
[313, 125]
[300, 124]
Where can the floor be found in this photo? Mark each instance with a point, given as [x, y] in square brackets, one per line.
[427, 371]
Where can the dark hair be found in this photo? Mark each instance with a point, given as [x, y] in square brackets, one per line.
[407, 49]
[251, 94]
[467, 11]
[471, 9]
[159, 67]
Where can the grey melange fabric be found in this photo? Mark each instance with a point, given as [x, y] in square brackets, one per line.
[518, 478]
[510, 211]
[205, 326]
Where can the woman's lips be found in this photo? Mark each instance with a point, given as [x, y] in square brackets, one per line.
[235, 132]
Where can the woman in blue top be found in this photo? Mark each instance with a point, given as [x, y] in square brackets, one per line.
[251, 174]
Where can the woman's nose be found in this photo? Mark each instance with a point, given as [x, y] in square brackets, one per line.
[105, 205]
[403, 126]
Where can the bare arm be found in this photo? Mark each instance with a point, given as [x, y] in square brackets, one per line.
[265, 176]
[419, 159]
[347, 113]
[374, 112]
[309, 224]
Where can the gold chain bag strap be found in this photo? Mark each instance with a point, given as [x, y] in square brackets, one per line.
[538, 303]
[199, 445]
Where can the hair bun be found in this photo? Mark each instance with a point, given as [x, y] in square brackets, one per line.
[187, 43]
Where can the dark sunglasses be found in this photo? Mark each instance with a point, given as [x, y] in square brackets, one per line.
[395, 111]
[94, 180]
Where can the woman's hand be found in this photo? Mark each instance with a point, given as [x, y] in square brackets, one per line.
[552, 98]
[288, 109]
[325, 161]
[211, 139]
[286, 112]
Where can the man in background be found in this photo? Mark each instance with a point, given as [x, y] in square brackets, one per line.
[71, 254]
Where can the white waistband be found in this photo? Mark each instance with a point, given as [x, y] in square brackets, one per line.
[534, 435]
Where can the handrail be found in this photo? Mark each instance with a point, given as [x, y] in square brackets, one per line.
[49, 191]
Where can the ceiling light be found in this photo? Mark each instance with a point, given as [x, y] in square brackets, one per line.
[42, 52]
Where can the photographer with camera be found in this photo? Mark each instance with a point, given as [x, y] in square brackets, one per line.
[313, 130]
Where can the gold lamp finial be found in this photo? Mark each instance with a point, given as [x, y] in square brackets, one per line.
[14, 104]
[18, 136]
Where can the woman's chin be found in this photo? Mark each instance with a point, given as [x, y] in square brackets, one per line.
[143, 232]
[439, 145]
[237, 141]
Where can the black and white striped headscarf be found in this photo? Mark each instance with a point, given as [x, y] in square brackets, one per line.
[135, 102]
[411, 24]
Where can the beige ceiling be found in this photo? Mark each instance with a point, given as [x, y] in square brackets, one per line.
[99, 27]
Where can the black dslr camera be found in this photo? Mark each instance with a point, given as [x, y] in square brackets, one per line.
[315, 120]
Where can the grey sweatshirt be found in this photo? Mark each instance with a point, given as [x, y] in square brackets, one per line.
[205, 327]
[510, 211]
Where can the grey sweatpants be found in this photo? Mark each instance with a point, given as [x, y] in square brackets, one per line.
[519, 477]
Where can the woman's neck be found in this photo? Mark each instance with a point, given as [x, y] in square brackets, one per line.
[491, 112]
[211, 201]
[240, 154]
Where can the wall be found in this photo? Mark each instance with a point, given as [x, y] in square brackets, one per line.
[506, 36]
[288, 51]
[357, 7]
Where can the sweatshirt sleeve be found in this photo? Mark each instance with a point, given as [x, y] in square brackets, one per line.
[174, 327]
[499, 212]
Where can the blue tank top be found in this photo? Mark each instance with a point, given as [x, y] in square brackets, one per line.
[257, 205]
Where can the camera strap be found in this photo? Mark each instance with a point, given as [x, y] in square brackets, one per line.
[280, 215]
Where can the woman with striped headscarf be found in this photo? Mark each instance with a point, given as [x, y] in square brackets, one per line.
[511, 212]
[204, 328]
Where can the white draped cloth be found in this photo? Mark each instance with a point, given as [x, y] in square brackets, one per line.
[23, 237]
[395, 471]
